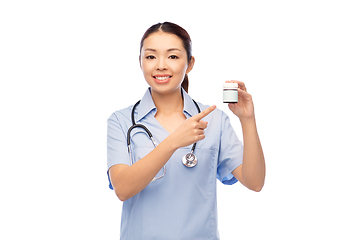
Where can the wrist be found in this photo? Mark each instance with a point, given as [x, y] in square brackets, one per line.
[247, 120]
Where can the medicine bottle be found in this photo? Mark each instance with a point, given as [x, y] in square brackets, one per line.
[230, 93]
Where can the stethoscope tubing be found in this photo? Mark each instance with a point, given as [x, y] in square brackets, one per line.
[134, 125]
[185, 160]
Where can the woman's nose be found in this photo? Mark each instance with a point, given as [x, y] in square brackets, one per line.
[161, 65]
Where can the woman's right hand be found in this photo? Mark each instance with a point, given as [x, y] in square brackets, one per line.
[191, 130]
[130, 180]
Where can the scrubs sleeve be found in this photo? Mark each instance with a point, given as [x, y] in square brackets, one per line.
[230, 154]
[117, 152]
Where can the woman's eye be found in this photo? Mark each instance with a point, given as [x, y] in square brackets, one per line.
[150, 57]
[173, 57]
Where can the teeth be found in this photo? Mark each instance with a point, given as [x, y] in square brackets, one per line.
[162, 78]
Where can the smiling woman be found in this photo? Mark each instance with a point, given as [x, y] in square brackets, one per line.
[176, 31]
[156, 55]
[179, 202]
[163, 57]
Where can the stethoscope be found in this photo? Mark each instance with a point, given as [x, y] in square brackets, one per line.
[189, 160]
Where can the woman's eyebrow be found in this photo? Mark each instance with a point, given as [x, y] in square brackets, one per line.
[173, 49]
[169, 50]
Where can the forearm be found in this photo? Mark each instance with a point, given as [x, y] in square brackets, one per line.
[130, 180]
[253, 167]
[136, 177]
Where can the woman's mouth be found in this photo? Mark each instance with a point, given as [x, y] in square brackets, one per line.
[161, 79]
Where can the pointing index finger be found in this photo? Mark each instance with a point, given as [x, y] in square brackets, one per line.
[204, 113]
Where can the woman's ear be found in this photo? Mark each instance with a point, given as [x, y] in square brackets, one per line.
[140, 61]
[190, 65]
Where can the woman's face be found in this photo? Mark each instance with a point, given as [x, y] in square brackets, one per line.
[164, 62]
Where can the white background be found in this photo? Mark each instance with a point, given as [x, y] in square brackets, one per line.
[66, 66]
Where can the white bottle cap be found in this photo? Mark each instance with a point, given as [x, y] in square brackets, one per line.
[230, 86]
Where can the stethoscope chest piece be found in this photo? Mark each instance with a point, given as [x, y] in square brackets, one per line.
[189, 160]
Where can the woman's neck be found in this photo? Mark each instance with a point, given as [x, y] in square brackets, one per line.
[168, 103]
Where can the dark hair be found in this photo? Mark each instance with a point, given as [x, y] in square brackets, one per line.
[172, 28]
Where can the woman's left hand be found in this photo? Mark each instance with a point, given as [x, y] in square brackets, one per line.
[244, 108]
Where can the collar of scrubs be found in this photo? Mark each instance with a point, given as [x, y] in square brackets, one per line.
[147, 105]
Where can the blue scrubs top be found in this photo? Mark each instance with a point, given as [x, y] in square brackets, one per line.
[182, 204]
